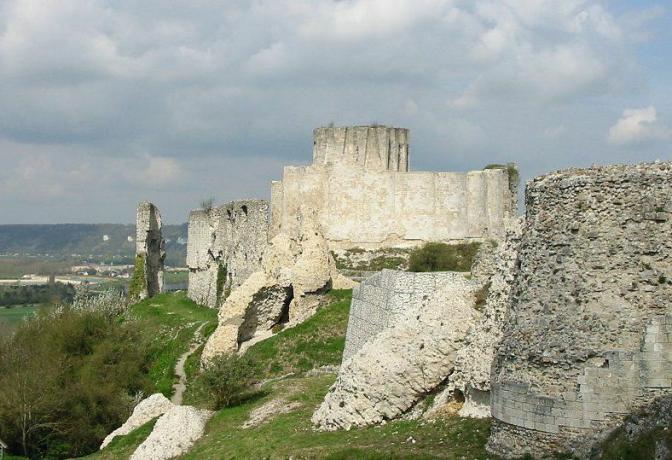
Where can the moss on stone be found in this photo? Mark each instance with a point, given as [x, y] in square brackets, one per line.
[138, 283]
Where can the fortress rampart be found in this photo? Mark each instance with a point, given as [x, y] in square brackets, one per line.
[226, 241]
[588, 338]
[362, 194]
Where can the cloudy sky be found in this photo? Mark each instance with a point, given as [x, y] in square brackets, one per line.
[107, 102]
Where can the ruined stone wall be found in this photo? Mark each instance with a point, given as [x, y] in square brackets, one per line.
[150, 248]
[376, 148]
[588, 336]
[380, 300]
[225, 241]
[372, 209]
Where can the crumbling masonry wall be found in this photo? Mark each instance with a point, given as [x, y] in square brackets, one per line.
[226, 241]
[588, 339]
[149, 249]
[380, 300]
[364, 196]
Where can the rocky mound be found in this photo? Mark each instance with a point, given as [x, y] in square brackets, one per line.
[146, 410]
[174, 434]
[390, 373]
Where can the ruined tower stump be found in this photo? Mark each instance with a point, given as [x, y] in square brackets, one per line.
[588, 339]
[150, 253]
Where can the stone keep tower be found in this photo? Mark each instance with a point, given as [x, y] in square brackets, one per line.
[589, 337]
[376, 148]
[149, 250]
[363, 195]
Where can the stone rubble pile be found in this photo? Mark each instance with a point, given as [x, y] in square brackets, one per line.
[295, 270]
[403, 363]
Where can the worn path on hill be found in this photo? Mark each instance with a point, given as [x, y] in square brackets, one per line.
[181, 385]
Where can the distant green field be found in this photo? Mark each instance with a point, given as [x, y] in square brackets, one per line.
[13, 316]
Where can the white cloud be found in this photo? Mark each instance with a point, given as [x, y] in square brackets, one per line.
[148, 94]
[638, 125]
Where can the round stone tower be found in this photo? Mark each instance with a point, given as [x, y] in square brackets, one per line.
[589, 338]
[377, 148]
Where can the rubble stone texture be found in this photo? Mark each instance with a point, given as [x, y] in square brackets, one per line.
[227, 240]
[174, 433]
[382, 299]
[364, 196]
[403, 363]
[588, 336]
[146, 410]
[150, 245]
[473, 362]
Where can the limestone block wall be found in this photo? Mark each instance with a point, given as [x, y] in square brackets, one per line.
[378, 148]
[229, 239]
[150, 246]
[588, 336]
[373, 209]
[379, 301]
[361, 191]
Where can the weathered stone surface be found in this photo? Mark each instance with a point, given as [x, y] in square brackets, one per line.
[150, 246]
[295, 271]
[369, 147]
[225, 241]
[391, 372]
[174, 433]
[380, 301]
[473, 362]
[363, 195]
[258, 304]
[591, 309]
[146, 410]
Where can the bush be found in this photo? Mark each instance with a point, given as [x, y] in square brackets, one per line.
[440, 257]
[226, 380]
[68, 378]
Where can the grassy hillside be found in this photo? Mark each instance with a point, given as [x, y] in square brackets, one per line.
[284, 364]
[170, 320]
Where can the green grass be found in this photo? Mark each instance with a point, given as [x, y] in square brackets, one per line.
[316, 342]
[313, 343]
[171, 321]
[124, 446]
[292, 436]
[11, 317]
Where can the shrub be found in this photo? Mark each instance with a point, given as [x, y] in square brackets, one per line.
[226, 380]
[68, 378]
[437, 257]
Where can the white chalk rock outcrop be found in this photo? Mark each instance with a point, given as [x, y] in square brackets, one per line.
[294, 268]
[257, 304]
[473, 362]
[390, 373]
[174, 434]
[146, 410]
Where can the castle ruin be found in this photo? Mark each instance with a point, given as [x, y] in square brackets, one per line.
[363, 194]
[360, 193]
[150, 252]
[224, 248]
[588, 336]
